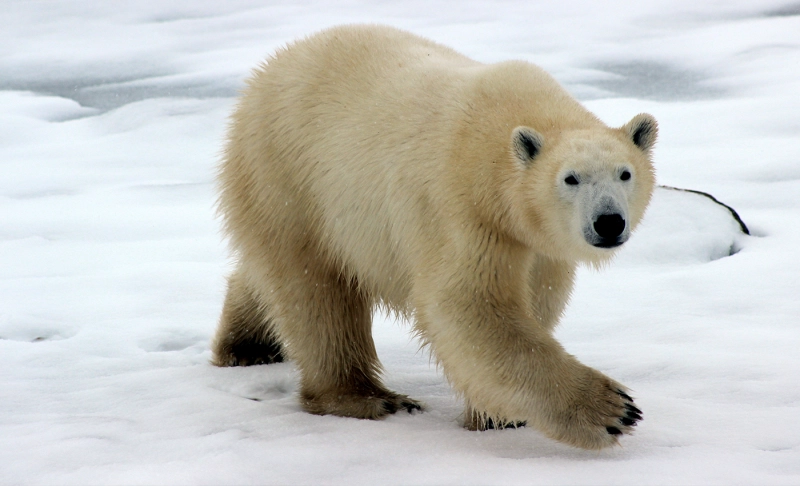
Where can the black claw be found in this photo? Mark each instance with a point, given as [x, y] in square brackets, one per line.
[633, 415]
[411, 406]
[624, 395]
[490, 424]
[627, 422]
[632, 408]
[613, 430]
[389, 406]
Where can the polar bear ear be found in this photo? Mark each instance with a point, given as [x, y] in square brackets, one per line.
[643, 131]
[526, 143]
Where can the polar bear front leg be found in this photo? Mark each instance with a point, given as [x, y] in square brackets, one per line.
[510, 368]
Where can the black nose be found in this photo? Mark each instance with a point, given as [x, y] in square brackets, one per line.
[609, 226]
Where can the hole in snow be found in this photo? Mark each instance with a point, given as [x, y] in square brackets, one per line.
[173, 341]
[33, 329]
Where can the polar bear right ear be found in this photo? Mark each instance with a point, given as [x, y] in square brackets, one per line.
[526, 144]
[643, 131]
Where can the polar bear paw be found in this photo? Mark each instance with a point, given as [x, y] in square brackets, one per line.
[598, 413]
[373, 406]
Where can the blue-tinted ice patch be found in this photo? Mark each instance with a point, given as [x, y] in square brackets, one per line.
[42, 107]
[644, 79]
[94, 95]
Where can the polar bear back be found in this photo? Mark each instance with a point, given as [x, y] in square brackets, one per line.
[353, 135]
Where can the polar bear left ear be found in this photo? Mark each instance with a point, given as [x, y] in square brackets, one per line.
[526, 143]
[643, 131]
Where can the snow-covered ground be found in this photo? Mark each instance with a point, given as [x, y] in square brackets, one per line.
[112, 266]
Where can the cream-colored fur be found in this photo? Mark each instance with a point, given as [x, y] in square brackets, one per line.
[366, 166]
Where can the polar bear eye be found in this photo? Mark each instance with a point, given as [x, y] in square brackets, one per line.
[625, 175]
[571, 180]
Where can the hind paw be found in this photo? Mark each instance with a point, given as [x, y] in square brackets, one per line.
[372, 406]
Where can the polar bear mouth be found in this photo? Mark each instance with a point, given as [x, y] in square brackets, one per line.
[607, 231]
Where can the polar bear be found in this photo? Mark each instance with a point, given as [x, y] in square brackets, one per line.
[366, 166]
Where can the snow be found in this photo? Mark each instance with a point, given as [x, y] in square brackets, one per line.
[112, 265]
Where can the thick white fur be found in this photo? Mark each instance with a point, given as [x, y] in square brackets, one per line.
[368, 166]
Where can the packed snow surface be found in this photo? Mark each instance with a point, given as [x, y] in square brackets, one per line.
[112, 265]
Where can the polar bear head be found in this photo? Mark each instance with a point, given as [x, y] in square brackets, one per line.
[586, 189]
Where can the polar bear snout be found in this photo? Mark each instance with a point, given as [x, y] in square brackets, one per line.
[609, 231]
[603, 210]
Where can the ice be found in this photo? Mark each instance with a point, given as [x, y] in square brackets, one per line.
[683, 227]
[112, 263]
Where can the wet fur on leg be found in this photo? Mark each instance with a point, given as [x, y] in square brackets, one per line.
[479, 421]
[245, 335]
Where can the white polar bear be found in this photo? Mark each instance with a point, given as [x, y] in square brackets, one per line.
[367, 166]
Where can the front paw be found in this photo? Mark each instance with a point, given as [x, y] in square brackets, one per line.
[595, 413]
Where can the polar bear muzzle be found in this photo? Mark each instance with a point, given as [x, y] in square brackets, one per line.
[608, 231]
[601, 204]
[606, 224]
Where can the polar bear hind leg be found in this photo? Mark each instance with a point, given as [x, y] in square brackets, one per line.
[329, 323]
[323, 323]
[246, 334]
